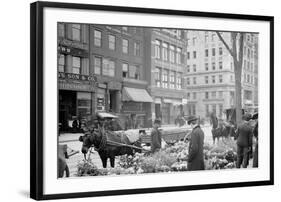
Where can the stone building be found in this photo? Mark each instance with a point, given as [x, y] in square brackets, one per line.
[209, 73]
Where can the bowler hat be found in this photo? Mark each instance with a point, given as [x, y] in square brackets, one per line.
[157, 121]
[191, 118]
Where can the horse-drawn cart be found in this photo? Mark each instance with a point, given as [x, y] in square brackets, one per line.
[169, 135]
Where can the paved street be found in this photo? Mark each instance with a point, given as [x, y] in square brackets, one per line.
[71, 139]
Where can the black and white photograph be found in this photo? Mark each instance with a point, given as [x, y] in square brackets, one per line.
[138, 100]
[129, 100]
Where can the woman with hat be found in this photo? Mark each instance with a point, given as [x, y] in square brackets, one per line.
[195, 151]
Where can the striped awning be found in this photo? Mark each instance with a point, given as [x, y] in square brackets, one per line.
[135, 95]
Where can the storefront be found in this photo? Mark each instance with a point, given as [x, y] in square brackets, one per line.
[136, 102]
[167, 109]
[76, 98]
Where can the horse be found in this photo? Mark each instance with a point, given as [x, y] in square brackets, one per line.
[103, 142]
[221, 129]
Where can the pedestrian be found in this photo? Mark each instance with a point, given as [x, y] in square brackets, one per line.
[256, 152]
[195, 151]
[244, 142]
[156, 136]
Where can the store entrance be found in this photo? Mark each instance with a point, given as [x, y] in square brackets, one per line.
[67, 108]
[113, 100]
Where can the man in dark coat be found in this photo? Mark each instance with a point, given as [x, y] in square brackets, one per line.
[195, 151]
[156, 137]
[244, 142]
[255, 159]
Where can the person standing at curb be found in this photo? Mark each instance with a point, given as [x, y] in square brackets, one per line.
[195, 151]
[156, 137]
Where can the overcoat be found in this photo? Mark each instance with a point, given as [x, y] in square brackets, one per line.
[155, 140]
[195, 151]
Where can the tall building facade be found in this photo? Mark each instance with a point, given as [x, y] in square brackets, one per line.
[101, 68]
[75, 83]
[209, 73]
[166, 63]
[117, 56]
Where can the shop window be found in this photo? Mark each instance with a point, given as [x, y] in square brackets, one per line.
[76, 65]
[76, 32]
[97, 38]
[83, 104]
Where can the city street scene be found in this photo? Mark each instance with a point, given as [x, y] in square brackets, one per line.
[136, 100]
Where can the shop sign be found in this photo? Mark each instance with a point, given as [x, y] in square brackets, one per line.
[114, 85]
[75, 86]
[132, 107]
[80, 77]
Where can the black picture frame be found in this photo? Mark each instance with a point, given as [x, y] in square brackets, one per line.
[37, 99]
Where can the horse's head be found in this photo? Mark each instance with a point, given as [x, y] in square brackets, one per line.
[90, 140]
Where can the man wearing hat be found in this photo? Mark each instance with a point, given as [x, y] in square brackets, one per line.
[156, 136]
[244, 142]
[195, 151]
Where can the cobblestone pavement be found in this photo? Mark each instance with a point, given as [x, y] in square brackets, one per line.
[71, 139]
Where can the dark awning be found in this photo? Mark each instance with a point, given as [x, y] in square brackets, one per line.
[136, 95]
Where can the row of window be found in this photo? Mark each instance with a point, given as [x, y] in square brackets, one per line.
[212, 108]
[76, 65]
[112, 43]
[250, 79]
[213, 80]
[105, 66]
[168, 79]
[214, 67]
[76, 36]
[194, 40]
[208, 95]
[170, 52]
[102, 66]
